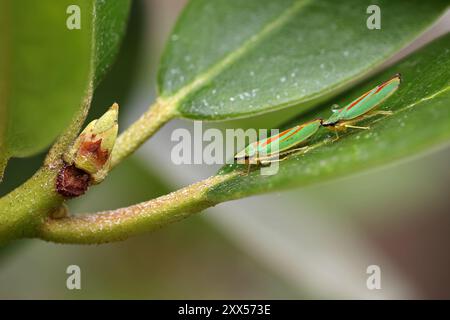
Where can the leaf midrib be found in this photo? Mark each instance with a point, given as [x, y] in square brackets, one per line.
[228, 60]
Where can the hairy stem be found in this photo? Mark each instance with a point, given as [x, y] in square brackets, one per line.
[135, 135]
[122, 223]
[25, 208]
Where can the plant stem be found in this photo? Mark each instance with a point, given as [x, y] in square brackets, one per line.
[119, 224]
[135, 135]
[25, 208]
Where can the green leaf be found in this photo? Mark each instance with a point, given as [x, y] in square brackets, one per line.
[421, 122]
[234, 58]
[48, 71]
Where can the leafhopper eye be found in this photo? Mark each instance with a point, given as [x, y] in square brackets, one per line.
[335, 108]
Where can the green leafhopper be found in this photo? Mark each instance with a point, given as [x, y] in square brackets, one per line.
[363, 107]
[271, 148]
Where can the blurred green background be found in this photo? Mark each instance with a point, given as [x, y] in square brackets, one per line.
[314, 242]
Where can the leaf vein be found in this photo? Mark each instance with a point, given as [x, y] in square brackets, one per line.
[232, 57]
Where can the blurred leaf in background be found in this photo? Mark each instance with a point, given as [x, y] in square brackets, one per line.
[47, 69]
[119, 83]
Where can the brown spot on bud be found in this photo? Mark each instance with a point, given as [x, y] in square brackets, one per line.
[93, 150]
[72, 182]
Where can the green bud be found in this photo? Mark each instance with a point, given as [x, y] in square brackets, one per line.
[91, 151]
